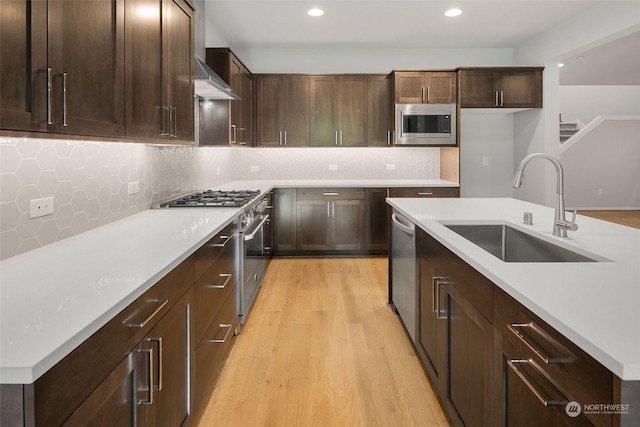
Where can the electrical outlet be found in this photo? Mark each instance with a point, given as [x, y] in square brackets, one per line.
[485, 161]
[40, 207]
[333, 167]
[391, 167]
[134, 188]
[255, 168]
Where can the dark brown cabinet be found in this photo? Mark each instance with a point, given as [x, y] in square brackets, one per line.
[330, 219]
[379, 112]
[284, 225]
[227, 65]
[377, 220]
[159, 70]
[63, 67]
[420, 192]
[338, 109]
[455, 336]
[282, 110]
[424, 87]
[507, 87]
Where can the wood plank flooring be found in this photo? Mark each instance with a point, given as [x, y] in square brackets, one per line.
[629, 218]
[321, 348]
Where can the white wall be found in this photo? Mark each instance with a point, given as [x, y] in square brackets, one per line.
[601, 24]
[602, 169]
[490, 136]
[587, 102]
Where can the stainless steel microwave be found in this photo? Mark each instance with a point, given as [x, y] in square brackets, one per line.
[425, 124]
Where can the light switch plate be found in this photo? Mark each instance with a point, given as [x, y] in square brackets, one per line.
[40, 207]
[391, 167]
[333, 167]
[255, 168]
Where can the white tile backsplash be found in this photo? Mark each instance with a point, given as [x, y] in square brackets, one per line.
[89, 180]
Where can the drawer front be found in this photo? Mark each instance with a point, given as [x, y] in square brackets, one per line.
[60, 390]
[212, 290]
[576, 374]
[211, 352]
[211, 251]
[330, 193]
[424, 192]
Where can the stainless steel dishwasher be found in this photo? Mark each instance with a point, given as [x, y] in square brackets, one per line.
[403, 271]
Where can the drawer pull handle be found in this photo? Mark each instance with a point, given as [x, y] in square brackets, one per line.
[425, 194]
[437, 282]
[513, 364]
[226, 334]
[223, 243]
[149, 387]
[227, 277]
[519, 330]
[151, 316]
[329, 194]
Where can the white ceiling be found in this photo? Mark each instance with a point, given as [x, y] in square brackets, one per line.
[251, 24]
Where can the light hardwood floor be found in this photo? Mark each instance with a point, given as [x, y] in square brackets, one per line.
[629, 218]
[321, 348]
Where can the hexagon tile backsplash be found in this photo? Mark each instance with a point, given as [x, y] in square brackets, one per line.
[89, 180]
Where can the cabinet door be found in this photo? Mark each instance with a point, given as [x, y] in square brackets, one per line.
[470, 361]
[169, 341]
[284, 209]
[440, 87]
[235, 81]
[379, 108]
[313, 231]
[114, 401]
[86, 55]
[269, 103]
[177, 33]
[246, 105]
[347, 224]
[431, 336]
[477, 89]
[353, 111]
[324, 123]
[520, 89]
[296, 115]
[408, 87]
[143, 37]
[23, 65]
[377, 221]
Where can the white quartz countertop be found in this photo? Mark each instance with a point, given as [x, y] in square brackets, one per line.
[55, 297]
[595, 304]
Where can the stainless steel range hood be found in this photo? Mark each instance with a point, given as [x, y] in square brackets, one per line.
[208, 85]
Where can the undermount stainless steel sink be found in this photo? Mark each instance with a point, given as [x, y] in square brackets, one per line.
[512, 245]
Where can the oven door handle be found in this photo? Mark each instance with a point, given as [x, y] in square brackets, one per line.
[250, 235]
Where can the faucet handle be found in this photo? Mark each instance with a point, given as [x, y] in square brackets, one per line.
[570, 225]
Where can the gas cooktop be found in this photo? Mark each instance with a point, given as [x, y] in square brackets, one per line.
[211, 198]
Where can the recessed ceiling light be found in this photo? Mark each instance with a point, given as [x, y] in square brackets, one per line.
[453, 12]
[315, 12]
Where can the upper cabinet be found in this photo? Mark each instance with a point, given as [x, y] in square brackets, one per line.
[62, 66]
[282, 104]
[379, 112]
[507, 87]
[338, 111]
[424, 87]
[159, 70]
[227, 65]
[109, 68]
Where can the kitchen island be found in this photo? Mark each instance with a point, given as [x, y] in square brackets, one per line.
[590, 305]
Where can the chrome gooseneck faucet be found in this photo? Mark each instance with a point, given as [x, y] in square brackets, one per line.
[560, 224]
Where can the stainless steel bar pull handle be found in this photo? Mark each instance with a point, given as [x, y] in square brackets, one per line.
[149, 317]
[149, 387]
[497, 99]
[158, 387]
[228, 326]
[166, 121]
[279, 137]
[428, 94]
[437, 283]
[425, 194]
[225, 239]
[330, 194]
[423, 97]
[227, 277]
[64, 99]
[285, 137]
[502, 98]
[173, 119]
[388, 137]
[336, 137]
[49, 94]
[546, 401]
[523, 332]
[234, 132]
